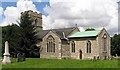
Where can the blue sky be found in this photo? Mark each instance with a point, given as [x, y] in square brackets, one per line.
[59, 14]
[39, 6]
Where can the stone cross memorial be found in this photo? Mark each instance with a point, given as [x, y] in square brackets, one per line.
[6, 59]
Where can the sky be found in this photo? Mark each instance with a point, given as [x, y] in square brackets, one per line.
[65, 13]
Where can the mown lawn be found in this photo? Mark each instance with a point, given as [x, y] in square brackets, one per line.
[0, 63]
[56, 63]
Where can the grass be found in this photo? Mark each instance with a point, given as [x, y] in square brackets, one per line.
[0, 65]
[56, 63]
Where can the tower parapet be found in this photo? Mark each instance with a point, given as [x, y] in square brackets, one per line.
[37, 17]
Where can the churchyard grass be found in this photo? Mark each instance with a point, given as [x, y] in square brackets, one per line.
[0, 62]
[57, 63]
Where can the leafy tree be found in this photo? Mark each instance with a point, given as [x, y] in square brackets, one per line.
[28, 35]
[90, 29]
[0, 41]
[22, 38]
[115, 45]
[11, 34]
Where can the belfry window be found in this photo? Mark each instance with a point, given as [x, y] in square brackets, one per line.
[73, 46]
[88, 47]
[50, 44]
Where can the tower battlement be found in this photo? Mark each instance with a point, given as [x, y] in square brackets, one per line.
[37, 19]
[35, 14]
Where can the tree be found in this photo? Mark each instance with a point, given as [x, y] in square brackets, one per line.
[28, 33]
[0, 40]
[115, 45]
[11, 34]
[90, 29]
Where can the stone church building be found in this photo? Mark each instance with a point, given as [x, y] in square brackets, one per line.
[71, 42]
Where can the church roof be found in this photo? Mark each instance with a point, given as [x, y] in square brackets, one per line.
[85, 34]
[42, 33]
[66, 31]
[59, 32]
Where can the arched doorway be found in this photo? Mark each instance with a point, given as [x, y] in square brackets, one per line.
[80, 54]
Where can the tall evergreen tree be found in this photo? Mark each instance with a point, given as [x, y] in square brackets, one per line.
[29, 36]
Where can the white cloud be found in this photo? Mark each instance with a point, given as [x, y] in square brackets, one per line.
[25, 5]
[1, 10]
[67, 13]
[12, 14]
[84, 13]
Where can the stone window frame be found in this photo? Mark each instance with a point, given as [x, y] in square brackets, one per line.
[104, 39]
[50, 44]
[88, 47]
[73, 46]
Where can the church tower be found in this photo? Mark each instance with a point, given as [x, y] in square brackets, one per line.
[37, 19]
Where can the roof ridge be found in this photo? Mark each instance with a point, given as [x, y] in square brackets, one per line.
[61, 28]
[92, 30]
[85, 34]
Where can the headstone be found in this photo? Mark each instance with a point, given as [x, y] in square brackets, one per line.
[23, 57]
[98, 58]
[14, 55]
[116, 55]
[19, 57]
[94, 58]
[6, 59]
[105, 57]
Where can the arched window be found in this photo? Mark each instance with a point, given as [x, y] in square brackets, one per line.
[73, 46]
[88, 47]
[50, 44]
[105, 42]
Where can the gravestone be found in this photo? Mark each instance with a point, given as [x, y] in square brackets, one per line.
[19, 57]
[23, 57]
[98, 58]
[116, 55]
[94, 58]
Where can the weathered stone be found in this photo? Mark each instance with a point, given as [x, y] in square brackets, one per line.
[23, 57]
[94, 58]
[6, 59]
[98, 57]
[63, 50]
[19, 57]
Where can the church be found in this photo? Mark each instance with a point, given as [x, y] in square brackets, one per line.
[71, 43]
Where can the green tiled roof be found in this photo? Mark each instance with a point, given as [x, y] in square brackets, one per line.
[84, 34]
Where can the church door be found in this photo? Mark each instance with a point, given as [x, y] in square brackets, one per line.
[80, 54]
